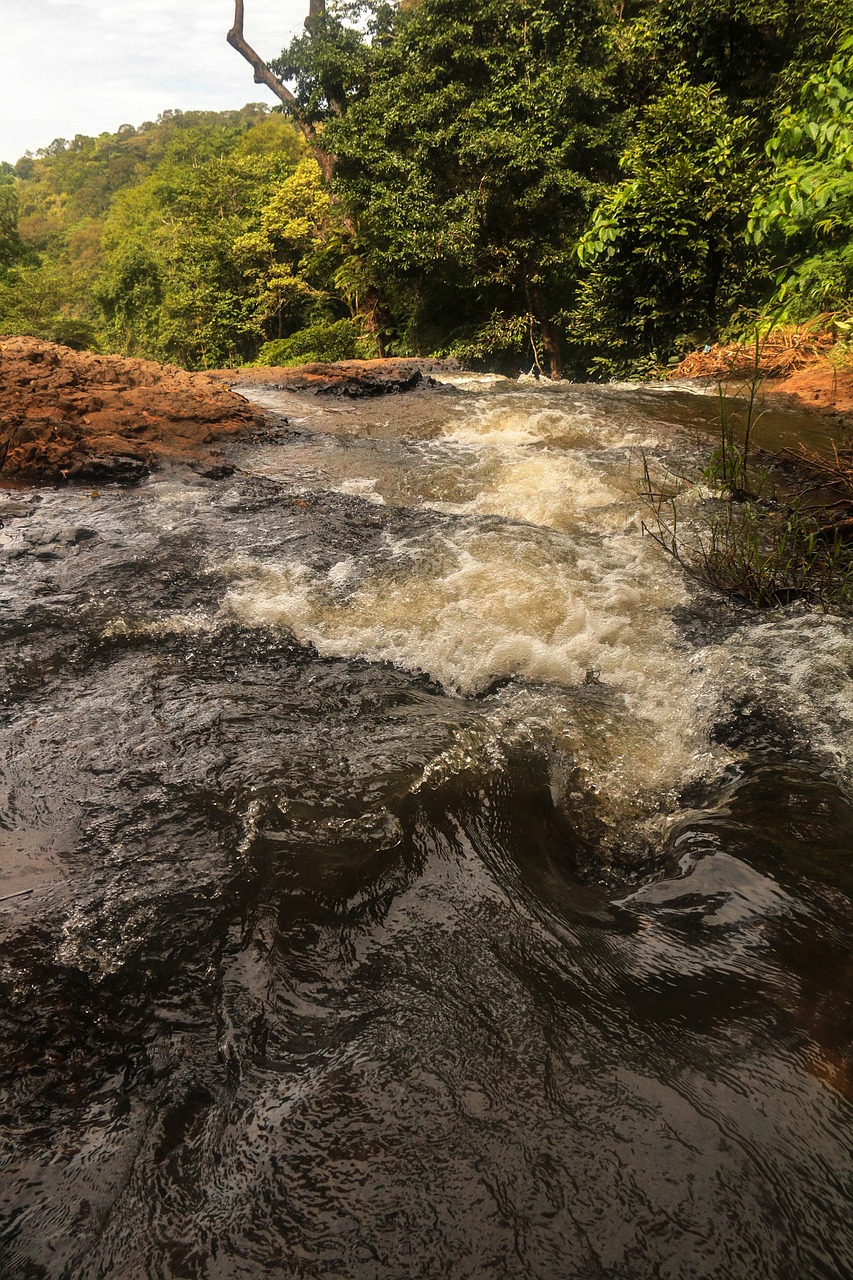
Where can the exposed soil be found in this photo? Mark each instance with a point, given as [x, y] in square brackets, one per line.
[820, 386]
[793, 364]
[73, 416]
[353, 379]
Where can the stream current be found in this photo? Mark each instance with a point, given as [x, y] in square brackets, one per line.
[408, 872]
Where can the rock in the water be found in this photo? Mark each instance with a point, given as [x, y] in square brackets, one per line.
[352, 379]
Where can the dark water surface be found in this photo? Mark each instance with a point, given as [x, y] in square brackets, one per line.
[407, 873]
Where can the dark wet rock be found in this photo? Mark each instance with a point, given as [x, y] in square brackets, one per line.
[15, 511]
[349, 379]
[214, 471]
[75, 536]
[51, 543]
[113, 468]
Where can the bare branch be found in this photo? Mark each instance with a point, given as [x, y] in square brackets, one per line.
[263, 75]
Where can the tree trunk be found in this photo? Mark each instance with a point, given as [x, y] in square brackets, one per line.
[551, 345]
[376, 320]
[550, 337]
[373, 311]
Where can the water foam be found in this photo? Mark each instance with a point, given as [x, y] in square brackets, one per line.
[482, 605]
[550, 489]
[544, 579]
[513, 422]
[474, 606]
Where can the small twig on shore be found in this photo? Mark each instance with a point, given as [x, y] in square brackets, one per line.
[22, 893]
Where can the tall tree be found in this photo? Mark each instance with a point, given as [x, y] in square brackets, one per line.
[465, 145]
[11, 246]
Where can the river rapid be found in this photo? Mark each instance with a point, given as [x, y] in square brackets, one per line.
[407, 872]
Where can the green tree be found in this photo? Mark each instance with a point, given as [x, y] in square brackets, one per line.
[40, 300]
[12, 249]
[178, 280]
[755, 52]
[468, 144]
[803, 210]
[294, 253]
[664, 257]
[135, 235]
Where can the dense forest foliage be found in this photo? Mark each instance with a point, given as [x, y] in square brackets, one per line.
[189, 240]
[590, 188]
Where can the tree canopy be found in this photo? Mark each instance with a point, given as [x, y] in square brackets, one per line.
[561, 183]
[563, 177]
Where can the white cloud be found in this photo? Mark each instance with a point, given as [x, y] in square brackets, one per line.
[86, 66]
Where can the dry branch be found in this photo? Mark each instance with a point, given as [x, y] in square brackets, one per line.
[263, 75]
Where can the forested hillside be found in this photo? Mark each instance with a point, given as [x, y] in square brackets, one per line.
[189, 240]
[595, 189]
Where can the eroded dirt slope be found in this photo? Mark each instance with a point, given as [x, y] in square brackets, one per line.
[793, 364]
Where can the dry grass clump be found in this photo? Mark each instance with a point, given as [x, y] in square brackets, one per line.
[765, 550]
[832, 480]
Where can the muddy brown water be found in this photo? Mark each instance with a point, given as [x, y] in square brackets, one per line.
[407, 873]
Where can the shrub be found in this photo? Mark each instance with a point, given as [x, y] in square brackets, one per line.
[338, 340]
[805, 207]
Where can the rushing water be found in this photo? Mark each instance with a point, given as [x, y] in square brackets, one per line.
[414, 874]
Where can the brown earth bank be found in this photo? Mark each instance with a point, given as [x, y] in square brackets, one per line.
[353, 379]
[74, 416]
[795, 365]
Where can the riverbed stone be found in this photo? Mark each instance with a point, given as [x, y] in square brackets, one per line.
[347, 379]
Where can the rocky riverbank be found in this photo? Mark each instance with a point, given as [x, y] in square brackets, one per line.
[74, 416]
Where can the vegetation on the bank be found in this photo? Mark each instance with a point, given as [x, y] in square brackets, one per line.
[562, 183]
[758, 549]
[738, 529]
[193, 240]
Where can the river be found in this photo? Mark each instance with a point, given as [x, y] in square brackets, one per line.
[409, 873]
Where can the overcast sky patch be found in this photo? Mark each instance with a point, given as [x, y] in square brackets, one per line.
[88, 66]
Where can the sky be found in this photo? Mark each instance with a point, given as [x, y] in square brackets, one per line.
[88, 66]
